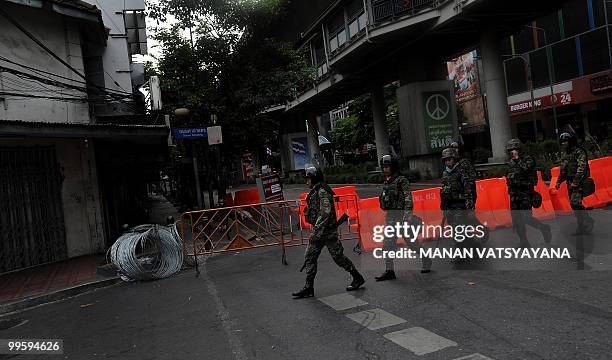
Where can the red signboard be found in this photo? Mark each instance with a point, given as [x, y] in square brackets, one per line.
[561, 99]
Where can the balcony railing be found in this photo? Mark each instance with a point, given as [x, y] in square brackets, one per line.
[384, 10]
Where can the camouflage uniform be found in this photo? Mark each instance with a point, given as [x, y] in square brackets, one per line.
[521, 177]
[321, 214]
[467, 167]
[458, 199]
[458, 187]
[396, 200]
[574, 170]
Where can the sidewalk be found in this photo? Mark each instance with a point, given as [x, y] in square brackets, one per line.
[49, 282]
[47, 278]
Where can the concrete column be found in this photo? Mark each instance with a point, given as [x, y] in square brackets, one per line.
[497, 101]
[313, 141]
[379, 114]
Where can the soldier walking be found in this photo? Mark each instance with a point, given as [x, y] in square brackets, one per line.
[467, 166]
[521, 177]
[396, 201]
[574, 171]
[458, 201]
[321, 214]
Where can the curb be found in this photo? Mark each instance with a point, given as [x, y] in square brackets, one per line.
[58, 295]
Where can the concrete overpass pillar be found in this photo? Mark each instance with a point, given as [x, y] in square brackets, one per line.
[379, 114]
[497, 101]
[313, 141]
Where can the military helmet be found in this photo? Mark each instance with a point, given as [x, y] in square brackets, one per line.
[514, 144]
[565, 136]
[315, 174]
[390, 160]
[449, 153]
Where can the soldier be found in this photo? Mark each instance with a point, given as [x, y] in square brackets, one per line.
[396, 200]
[521, 177]
[467, 166]
[574, 171]
[457, 198]
[321, 214]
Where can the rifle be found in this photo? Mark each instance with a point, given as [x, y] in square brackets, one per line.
[338, 223]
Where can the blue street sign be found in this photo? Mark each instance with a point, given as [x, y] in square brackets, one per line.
[189, 133]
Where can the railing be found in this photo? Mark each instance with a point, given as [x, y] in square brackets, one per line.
[384, 10]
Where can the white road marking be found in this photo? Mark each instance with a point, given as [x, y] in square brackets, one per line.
[375, 319]
[420, 341]
[342, 301]
[474, 357]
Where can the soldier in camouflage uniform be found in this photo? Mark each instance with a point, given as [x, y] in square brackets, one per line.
[457, 198]
[396, 200]
[574, 171]
[466, 165]
[321, 214]
[521, 178]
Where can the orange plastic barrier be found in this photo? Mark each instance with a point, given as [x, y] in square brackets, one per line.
[603, 194]
[493, 203]
[547, 210]
[303, 197]
[351, 204]
[370, 215]
[427, 206]
[246, 197]
[229, 200]
[606, 164]
[559, 198]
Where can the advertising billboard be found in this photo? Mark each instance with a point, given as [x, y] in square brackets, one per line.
[463, 71]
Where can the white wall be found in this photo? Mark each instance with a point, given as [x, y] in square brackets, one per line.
[62, 37]
[116, 56]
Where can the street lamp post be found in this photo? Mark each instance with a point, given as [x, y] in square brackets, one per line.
[553, 98]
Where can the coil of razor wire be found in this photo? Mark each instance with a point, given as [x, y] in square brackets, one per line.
[147, 252]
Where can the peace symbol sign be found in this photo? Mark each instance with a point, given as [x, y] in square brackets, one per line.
[437, 107]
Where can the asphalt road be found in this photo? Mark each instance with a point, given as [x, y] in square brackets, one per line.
[240, 308]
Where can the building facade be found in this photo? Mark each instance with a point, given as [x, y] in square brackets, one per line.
[565, 52]
[63, 93]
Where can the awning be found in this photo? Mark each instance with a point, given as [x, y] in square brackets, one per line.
[134, 133]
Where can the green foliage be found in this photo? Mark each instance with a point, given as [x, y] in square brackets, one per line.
[357, 129]
[229, 67]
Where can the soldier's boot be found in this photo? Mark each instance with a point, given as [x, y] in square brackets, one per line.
[358, 280]
[306, 292]
[426, 266]
[387, 275]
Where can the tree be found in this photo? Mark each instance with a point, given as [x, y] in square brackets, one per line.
[357, 129]
[227, 66]
[233, 70]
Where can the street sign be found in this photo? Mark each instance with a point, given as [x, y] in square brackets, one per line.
[270, 188]
[214, 135]
[189, 133]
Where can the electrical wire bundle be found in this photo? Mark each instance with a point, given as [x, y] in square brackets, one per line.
[147, 252]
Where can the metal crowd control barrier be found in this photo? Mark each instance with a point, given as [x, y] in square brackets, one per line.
[277, 223]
